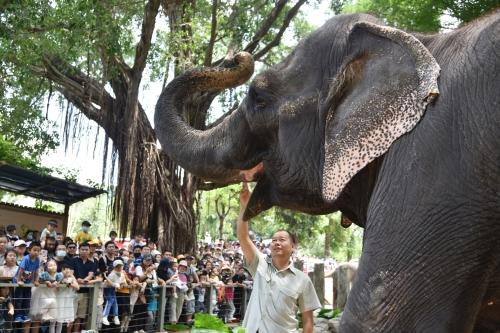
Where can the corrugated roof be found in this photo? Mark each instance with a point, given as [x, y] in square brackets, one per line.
[25, 182]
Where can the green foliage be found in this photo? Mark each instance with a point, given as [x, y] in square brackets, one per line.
[420, 16]
[207, 321]
[311, 230]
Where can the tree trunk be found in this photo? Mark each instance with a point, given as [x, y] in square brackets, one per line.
[221, 227]
[328, 238]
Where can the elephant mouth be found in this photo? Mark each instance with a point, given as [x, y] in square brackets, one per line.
[252, 174]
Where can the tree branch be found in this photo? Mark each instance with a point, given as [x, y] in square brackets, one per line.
[144, 44]
[77, 87]
[213, 34]
[266, 25]
[286, 22]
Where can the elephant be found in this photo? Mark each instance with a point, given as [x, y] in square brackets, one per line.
[343, 279]
[398, 131]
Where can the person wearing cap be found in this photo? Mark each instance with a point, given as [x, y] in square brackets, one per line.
[114, 280]
[11, 233]
[181, 286]
[20, 248]
[146, 270]
[84, 235]
[279, 288]
[226, 276]
[50, 230]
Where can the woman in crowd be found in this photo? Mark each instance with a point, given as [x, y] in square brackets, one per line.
[9, 269]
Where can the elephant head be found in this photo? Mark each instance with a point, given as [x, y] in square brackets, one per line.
[313, 121]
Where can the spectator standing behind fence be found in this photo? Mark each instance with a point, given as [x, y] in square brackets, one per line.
[50, 246]
[11, 233]
[85, 274]
[279, 288]
[26, 273]
[84, 234]
[6, 309]
[61, 257]
[226, 275]
[20, 248]
[165, 272]
[43, 299]
[3, 249]
[65, 298]
[123, 298]
[50, 230]
[113, 280]
[9, 269]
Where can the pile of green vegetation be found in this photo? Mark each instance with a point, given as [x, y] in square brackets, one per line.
[328, 313]
[176, 327]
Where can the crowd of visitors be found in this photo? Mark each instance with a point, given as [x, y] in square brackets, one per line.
[54, 275]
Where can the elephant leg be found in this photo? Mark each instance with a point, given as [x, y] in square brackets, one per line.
[422, 274]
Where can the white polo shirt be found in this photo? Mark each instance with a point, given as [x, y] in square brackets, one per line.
[276, 297]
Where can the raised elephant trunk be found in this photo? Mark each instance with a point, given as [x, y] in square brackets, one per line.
[220, 153]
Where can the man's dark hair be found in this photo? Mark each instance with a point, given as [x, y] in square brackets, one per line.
[66, 265]
[137, 247]
[112, 233]
[50, 238]
[84, 244]
[293, 237]
[33, 244]
[108, 243]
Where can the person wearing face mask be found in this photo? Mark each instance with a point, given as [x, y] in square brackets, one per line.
[84, 235]
[61, 258]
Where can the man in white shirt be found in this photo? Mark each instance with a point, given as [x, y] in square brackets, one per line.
[280, 290]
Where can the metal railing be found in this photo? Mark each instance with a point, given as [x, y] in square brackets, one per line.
[152, 312]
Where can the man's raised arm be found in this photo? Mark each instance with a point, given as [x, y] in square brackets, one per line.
[247, 246]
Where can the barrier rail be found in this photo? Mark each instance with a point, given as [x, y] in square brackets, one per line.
[150, 312]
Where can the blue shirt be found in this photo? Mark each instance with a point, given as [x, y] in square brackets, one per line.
[29, 266]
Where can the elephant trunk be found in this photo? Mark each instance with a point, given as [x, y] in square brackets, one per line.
[218, 154]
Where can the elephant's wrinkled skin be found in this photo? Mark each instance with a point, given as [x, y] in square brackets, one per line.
[402, 136]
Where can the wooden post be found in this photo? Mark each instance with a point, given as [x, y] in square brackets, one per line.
[92, 325]
[64, 229]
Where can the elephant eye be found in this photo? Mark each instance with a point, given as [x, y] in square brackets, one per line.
[260, 103]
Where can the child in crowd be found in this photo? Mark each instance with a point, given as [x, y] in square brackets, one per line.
[6, 309]
[44, 300]
[20, 248]
[26, 273]
[65, 297]
[115, 279]
[50, 230]
[200, 291]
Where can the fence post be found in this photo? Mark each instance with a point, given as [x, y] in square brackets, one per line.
[93, 306]
[243, 306]
[208, 304]
[161, 310]
[318, 280]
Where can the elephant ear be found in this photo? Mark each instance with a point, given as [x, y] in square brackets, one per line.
[380, 93]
